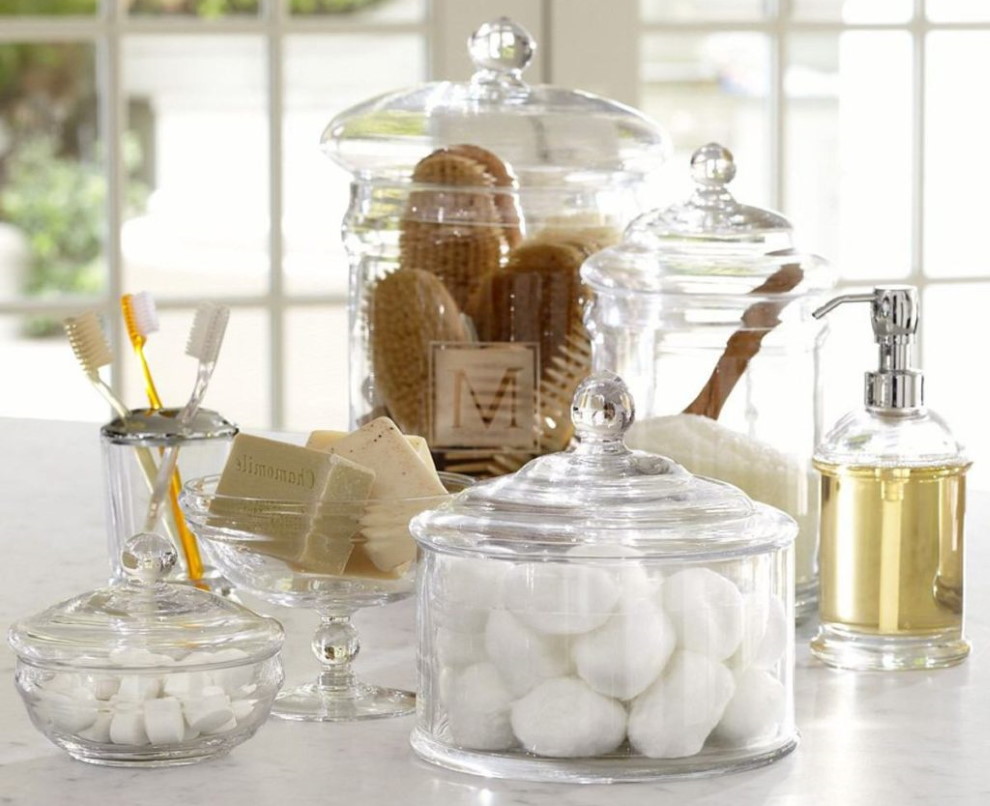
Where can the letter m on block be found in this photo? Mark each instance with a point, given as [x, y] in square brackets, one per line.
[484, 395]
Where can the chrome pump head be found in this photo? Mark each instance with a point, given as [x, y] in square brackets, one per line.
[895, 311]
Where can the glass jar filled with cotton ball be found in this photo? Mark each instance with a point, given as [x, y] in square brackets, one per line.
[604, 615]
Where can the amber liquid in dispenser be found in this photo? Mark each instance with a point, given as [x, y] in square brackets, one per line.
[892, 549]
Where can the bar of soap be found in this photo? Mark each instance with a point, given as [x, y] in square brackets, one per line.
[309, 533]
[322, 440]
[328, 544]
[399, 470]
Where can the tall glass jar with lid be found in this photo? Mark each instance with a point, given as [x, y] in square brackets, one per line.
[473, 206]
[705, 309]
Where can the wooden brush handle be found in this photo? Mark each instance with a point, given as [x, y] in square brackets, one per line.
[758, 320]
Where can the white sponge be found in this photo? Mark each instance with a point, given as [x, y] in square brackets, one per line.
[756, 709]
[561, 598]
[706, 610]
[627, 653]
[477, 708]
[564, 718]
[523, 657]
[674, 716]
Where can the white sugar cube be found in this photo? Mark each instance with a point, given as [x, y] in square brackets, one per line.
[565, 718]
[163, 721]
[127, 726]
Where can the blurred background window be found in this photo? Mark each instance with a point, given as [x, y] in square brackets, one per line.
[171, 146]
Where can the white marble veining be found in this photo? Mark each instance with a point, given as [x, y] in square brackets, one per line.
[871, 739]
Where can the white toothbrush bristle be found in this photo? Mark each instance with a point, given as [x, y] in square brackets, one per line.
[207, 332]
[145, 312]
[88, 341]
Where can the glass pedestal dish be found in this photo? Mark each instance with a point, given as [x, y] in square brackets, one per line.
[379, 569]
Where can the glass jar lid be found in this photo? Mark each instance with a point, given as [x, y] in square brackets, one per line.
[155, 427]
[710, 244]
[144, 618]
[548, 135]
[601, 499]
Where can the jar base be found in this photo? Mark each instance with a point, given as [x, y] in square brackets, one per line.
[603, 770]
[312, 703]
[843, 648]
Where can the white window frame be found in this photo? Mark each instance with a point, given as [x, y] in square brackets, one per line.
[591, 44]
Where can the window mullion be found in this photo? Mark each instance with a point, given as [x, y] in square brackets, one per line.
[276, 291]
[113, 114]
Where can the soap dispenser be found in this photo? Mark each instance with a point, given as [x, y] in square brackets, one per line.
[893, 501]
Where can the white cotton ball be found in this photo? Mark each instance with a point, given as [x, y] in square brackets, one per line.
[756, 709]
[523, 657]
[625, 564]
[561, 598]
[99, 731]
[127, 725]
[775, 637]
[70, 711]
[163, 721]
[675, 715]
[627, 653]
[756, 608]
[477, 709]
[466, 590]
[455, 648]
[226, 727]
[565, 718]
[706, 610]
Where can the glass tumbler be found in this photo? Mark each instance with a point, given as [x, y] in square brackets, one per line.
[132, 449]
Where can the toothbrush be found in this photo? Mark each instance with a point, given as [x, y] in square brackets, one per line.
[93, 352]
[205, 339]
[140, 319]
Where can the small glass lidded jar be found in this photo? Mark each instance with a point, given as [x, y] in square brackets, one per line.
[603, 615]
[472, 208]
[132, 450]
[146, 672]
[705, 309]
[893, 513]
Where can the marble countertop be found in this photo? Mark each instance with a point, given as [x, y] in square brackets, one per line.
[895, 738]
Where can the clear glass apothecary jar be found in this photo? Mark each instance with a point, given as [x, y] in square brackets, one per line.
[603, 615]
[146, 672]
[704, 309]
[472, 208]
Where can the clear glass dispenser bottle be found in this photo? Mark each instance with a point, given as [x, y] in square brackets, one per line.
[893, 507]
[704, 309]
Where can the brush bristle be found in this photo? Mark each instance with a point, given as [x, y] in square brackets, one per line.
[144, 312]
[207, 332]
[88, 341]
